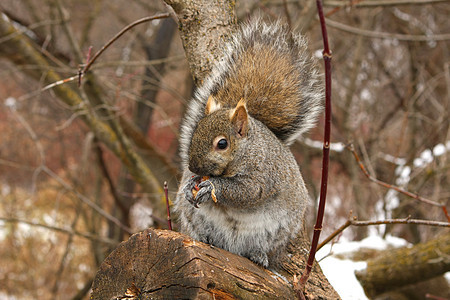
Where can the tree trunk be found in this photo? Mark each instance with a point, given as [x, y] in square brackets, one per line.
[204, 29]
[160, 264]
[399, 267]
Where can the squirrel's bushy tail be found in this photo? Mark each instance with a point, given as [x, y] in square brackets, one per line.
[273, 71]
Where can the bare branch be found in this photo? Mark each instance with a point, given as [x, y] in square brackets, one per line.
[43, 168]
[334, 234]
[407, 220]
[63, 261]
[372, 3]
[386, 35]
[63, 230]
[352, 221]
[393, 187]
[86, 200]
[118, 35]
[69, 33]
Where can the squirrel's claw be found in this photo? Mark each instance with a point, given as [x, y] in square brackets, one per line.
[187, 190]
[204, 192]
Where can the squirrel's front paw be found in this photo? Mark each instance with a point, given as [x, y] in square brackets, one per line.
[206, 188]
[188, 188]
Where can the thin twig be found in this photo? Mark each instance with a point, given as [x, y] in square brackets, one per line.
[353, 221]
[407, 220]
[118, 35]
[166, 193]
[351, 148]
[62, 230]
[86, 200]
[286, 12]
[334, 234]
[44, 168]
[69, 33]
[387, 35]
[372, 3]
[112, 187]
[64, 257]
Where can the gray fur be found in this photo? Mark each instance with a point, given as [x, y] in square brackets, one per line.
[257, 221]
[261, 199]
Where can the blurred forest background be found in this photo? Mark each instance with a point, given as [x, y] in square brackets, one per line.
[82, 168]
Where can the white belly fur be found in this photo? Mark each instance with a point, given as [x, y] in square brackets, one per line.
[249, 227]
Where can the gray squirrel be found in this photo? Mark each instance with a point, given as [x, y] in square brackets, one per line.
[241, 188]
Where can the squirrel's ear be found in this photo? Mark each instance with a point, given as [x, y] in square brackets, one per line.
[239, 118]
[212, 105]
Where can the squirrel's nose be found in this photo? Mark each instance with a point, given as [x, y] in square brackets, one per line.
[195, 167]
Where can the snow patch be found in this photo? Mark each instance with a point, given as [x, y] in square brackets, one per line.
[365, 95]
[403, 173]
[372, 242]
[11, 102]
[341, 275]
[425, 158]
[392, 201]
[439, 150]
[395, 160]
[341, 272]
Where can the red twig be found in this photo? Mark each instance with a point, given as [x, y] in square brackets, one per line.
[166, 193]
[299, 286]
[396, 188]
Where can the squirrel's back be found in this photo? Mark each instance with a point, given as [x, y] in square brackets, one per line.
[272, 70]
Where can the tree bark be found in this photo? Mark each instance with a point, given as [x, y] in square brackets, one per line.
[160, 264]
[400, 267]
[204, 29]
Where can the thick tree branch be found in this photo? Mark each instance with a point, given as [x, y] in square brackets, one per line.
[204, 29]
[399, 267]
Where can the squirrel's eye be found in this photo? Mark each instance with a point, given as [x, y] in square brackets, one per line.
[222, 144]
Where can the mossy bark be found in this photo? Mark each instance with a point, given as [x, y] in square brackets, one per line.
[399, 267]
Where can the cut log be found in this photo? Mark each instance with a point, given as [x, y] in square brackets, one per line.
[160, 264]
[396, 268]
